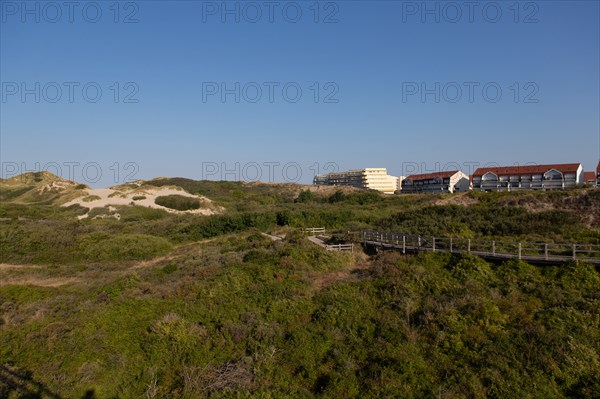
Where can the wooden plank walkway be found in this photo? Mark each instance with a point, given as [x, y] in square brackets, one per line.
[549, 253]
[272, 237]
[330, 247]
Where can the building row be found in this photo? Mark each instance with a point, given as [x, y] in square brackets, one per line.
[502, 178]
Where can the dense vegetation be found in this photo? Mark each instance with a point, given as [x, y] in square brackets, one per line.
[178, 202]
[490, 221]
[156, 304]
[243, 316]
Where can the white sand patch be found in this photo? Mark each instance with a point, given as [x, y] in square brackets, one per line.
[109, 197]
[56, 186]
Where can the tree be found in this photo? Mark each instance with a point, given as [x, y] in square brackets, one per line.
[338, 196]
[305, 196]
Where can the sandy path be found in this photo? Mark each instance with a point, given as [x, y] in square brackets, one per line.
[354, 272]
[6, 266]
[272, 237]
[39, 281]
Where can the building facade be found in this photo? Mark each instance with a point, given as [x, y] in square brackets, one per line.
[598, 175]
[538, 177]
[368, 178]
[589, 178]
[437, 182]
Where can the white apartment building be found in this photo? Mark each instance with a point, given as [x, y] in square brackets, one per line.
[368, 178]
[537, 177]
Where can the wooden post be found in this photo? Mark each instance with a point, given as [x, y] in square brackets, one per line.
[574, 251]
[419, 242]
[519, 250]
[403, 244]
[493, 248]
[433, 243]
[450, 244]
[546, 251]
[469, 245]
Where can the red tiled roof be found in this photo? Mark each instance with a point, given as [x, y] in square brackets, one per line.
[429, 176]
[589, 176]
[528, 169]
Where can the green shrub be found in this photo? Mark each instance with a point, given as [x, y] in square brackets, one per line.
[139, 213]
[364, 197]
[338, 196]
[488, 220]
[305, 196]
[169, 268]
[178, 202]
[138, 197]
[206, 227]
[467, 266]
[98, 212]
[123, 247]
[90, 198]
[283, 218]
[78, 209]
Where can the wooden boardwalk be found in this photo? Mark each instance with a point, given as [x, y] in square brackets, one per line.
[320, 242]
[543, 253]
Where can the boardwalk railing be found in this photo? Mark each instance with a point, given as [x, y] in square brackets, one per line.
[331, 247]
[532, 251]
[313, 230]
[340, 247]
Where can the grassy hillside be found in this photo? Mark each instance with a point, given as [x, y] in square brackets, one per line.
[41, 188]
[28, 232]
[157, 304]
[243, 316]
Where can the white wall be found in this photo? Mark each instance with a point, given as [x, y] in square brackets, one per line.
[459, 182]
[580, 181]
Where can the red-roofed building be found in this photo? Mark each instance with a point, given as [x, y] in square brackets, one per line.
[534, 177]
[598, 175]
[437, 182]
[589, 178]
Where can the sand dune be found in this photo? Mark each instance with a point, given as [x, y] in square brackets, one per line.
[121, 195]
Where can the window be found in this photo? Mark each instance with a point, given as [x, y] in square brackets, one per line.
[553, 174]
[489, 176]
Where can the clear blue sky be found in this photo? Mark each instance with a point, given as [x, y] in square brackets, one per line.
[376, 59]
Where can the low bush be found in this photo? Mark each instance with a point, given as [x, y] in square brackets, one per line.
[480, 221]
[123, 247]
[90, 198]
[139, 213]
[178, 202]
[305, 196]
